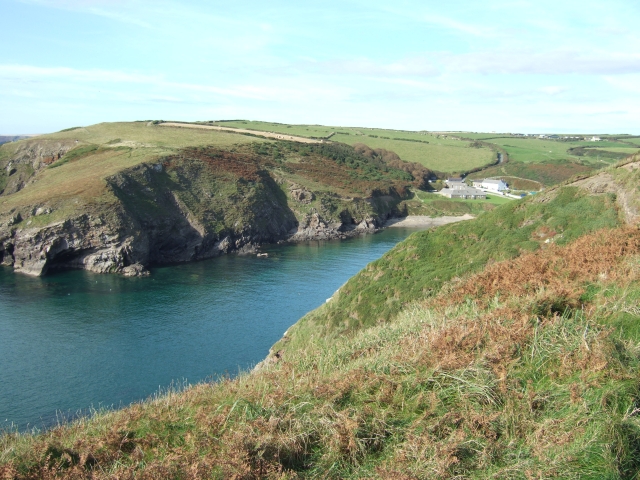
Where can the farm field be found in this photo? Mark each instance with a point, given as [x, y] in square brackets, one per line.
[546, 174]
[429, 149]
[439, 155]
[530, 150]
[634, 140]
[542, 161]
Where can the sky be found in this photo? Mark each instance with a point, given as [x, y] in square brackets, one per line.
[497, 65]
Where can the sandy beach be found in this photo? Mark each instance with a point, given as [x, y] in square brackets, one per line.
[413, 221]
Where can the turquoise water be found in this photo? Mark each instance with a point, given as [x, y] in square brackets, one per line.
[76, 340]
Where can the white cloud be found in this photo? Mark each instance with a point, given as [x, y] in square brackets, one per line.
[411, 67]
[29, 72]
[117, 10]
[158, 87]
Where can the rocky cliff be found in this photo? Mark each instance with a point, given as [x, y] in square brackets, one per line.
[192, 204]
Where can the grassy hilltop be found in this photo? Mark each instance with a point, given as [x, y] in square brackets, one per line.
[504, 347]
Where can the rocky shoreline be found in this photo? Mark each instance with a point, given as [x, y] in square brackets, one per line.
[119, 246]
[89, 243]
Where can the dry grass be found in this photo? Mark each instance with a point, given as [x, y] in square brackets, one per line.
[556, 271]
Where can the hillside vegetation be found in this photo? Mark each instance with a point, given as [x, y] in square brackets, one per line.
[545, 161]
[504, 347]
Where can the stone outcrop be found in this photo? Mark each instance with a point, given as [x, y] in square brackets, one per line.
[29, 158]
[302, 195]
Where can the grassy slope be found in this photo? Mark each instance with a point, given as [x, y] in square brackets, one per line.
[419, 266]
[520, 368]
[434, 205]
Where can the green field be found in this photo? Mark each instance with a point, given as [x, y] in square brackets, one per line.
[435, 205]
[431, 150]
[529, 150]
[453, 152]
[439, 155]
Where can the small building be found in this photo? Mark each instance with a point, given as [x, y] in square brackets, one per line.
[454, 182]
[491, 185]
[594, 139]
[465, 193]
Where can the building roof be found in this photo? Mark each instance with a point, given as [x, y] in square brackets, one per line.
[462, 191]
[492, 181]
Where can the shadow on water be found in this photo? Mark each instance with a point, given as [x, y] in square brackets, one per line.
[76, 340]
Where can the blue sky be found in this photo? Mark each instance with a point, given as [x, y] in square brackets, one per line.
[495, 65]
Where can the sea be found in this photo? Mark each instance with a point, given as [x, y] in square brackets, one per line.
[76, 342]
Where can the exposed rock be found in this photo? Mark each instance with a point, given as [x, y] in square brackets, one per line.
[627, 199]
[247, 249]
[64, 245]
[301, 195]
[29, 158]
[17, 218]
[42, 211]
[368, 224]
[135, 270]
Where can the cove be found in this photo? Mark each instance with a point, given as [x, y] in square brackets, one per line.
[75, 340]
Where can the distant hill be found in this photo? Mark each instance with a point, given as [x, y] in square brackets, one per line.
[118, 197]
[12, 138]
[546, 160]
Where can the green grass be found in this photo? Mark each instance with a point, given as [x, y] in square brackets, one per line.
[439, 154]
[70, 184]
[498, 200]
[454, 250]
[142, 134]
[543, 173]
[448, 152]
[435, 205]
[430, 150]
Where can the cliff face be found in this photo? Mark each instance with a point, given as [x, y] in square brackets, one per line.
[189, 206]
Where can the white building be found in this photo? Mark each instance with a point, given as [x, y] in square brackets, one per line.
[594, 139]
[465, 193]
[455, 182]
[491, 185]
